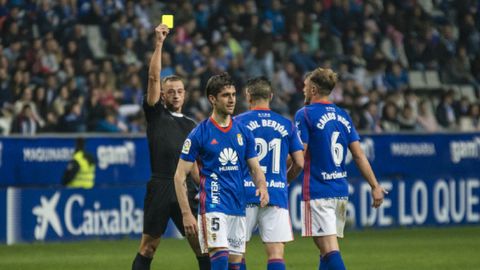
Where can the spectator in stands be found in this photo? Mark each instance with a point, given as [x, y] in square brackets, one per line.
[61, 101]
[167, 68]
[426, 121]
[95, 111]
[51, 123]
[188, 61]
[461, 107]
[303, 60]
[471, 122]
[5, 91]
[392, 47]
[448, 44]
[389, 122]
[396, 78]
[26, 122]
[27, 99]
[73, 119]
[407, 119]
[110, 123]
[133, 91]
[369, 119]
[445, 112]
[458, 70]
[40, 100]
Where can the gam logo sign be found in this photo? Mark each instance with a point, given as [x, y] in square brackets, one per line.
[108, 155]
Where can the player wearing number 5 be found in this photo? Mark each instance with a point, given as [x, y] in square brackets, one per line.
[326, 132]
[275, 137]
[222, 147]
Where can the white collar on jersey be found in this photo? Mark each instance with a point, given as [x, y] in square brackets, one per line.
[176, 114]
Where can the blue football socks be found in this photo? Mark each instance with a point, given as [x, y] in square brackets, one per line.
[276, 264]
[332, 261]
[219, 260]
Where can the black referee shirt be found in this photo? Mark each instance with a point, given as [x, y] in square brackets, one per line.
[166, 134]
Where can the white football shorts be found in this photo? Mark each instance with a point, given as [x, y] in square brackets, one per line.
[273, 223]
[323, 217]
[218, 230]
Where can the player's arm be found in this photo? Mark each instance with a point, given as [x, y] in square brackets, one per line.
[195, 174]
[154, 85]
[259, 180]
[296, 167]
[180, 179]
[366, 170]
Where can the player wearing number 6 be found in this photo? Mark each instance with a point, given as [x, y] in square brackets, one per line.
[275, 138]
[326, 132]
[222, 147]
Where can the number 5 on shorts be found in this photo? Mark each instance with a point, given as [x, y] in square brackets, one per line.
[215, 224]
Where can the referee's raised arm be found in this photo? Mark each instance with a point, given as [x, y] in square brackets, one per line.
[154, 85]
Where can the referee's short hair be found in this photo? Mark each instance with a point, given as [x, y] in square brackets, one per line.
[259, 88]
[325, 79]
[217, 82]
[172, 78]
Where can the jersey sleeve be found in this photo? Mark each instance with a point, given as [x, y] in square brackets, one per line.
[250, 144]
[152, 111]
[353, 135]
[302, 125]
[295, 143]
[191, 146]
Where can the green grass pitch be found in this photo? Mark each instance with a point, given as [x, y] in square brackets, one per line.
[385, 249]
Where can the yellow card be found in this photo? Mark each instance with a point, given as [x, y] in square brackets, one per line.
[167, 20]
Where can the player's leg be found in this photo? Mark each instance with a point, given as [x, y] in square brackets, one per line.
[328, 222]
[330, 257]
[237, 229]
[212, 235]
[275, 256]
[275, 230]
[251, 214]
[235, 261]
[202, 258]
[147, 248]
[155, 220]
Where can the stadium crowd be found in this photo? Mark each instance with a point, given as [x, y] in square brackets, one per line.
[82, 65]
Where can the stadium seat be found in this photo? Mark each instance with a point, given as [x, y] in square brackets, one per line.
[417, 80]
[469, 92]
[432, 79]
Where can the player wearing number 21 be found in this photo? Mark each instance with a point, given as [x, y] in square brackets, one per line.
[327, 131]
[222, 147]
[276, 138]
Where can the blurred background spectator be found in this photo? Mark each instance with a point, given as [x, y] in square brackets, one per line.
[82, 65]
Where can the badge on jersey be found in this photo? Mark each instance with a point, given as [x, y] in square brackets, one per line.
[240, 139]
[186, 146]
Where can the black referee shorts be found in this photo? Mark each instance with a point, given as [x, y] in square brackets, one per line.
[160, 205]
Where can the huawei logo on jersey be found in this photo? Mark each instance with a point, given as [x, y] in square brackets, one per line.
[228, 154]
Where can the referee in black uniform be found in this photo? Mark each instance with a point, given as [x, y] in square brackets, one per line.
[167, 129]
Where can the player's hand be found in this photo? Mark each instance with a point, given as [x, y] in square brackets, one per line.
[190, 225]
[264, 197]
[378, 193]
[161, 32]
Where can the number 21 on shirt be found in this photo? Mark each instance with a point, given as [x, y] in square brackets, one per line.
[263, 148]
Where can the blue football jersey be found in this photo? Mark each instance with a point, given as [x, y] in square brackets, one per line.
[275, 137]
[328, 131]
[221, 154]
